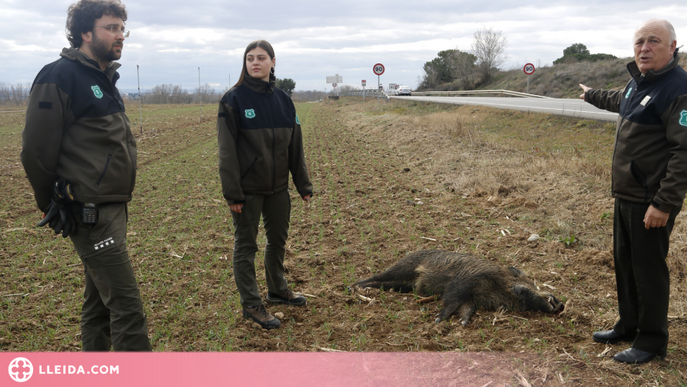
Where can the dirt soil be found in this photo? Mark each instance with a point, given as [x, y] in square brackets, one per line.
[386, 184]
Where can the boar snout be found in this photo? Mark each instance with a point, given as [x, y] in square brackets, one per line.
[556, 305]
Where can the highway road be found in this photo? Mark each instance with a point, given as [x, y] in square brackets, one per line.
[559, 106]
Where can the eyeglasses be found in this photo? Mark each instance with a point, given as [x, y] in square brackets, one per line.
[114, 29]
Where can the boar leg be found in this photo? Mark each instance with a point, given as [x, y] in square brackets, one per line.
[466, 311]
[426, 300]
[459, 294]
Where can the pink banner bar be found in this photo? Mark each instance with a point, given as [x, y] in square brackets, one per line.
[255, 369]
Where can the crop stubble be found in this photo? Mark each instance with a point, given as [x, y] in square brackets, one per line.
[389, 179]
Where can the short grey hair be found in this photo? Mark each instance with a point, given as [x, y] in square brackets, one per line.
[672, 31]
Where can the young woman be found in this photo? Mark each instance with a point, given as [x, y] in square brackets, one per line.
[260, 142]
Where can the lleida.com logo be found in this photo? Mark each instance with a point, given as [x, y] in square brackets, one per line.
[20, 369]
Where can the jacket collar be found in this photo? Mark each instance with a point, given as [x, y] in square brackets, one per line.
[652, 75]
[260, 86]
[78, 56]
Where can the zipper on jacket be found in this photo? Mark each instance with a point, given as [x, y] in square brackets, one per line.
[619, 127]
[274, 162]
[107, 163]
[131, 159]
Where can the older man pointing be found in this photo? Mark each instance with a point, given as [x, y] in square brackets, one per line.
[649, 185]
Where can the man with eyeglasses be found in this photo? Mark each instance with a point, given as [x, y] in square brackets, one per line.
[80, 157]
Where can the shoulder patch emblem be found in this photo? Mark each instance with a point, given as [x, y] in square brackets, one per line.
[627, 95]
[297, 120]
[683, 118]
[250, 113]
[97, 92]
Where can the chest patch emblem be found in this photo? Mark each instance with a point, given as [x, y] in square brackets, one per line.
[97, 92]
[683, 118]
[250, 113]
[628, 93]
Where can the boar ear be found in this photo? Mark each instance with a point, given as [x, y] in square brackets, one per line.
[516, 272]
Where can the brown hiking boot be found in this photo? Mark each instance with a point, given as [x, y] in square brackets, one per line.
[288, 298]
[261, 316]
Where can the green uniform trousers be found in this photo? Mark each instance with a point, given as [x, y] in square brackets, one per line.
[112, 314]
[276, 213]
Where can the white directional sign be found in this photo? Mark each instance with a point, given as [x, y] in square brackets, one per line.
[528, 69]
[378, 69]
[334, 78]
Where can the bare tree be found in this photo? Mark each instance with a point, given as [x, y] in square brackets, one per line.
[208, 94]
[14, 94]
[159, 94]
[489, 47]
[5, 93]
[179, 95]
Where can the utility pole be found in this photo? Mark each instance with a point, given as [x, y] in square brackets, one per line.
[200, 98]
[140, 114]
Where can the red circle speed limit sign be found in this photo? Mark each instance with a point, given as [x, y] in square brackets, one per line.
[529, 69]
[378, 69]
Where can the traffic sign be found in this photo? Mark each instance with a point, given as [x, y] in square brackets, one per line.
[335, 79]
[333, 84]
[364, 82]
[528, 69]
[378, 69]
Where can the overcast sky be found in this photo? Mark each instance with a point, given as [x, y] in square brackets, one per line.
[312, 39]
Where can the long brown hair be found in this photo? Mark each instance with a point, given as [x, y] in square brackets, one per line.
[265, 45]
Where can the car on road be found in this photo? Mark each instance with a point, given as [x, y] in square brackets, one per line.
[404, 90]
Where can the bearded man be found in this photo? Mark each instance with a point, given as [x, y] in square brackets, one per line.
[80, 157]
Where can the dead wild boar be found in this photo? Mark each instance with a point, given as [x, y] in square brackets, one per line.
[464, 282]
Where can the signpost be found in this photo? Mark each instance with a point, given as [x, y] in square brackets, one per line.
[378, 69]
[364, 82]
[334, 80]
[529, 70]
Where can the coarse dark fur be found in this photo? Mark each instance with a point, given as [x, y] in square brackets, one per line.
[465, 283]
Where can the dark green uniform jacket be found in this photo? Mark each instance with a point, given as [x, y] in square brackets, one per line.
[650, 154]
[76, 129]
[260, 141]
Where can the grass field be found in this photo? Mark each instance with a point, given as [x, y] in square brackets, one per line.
[390, 178]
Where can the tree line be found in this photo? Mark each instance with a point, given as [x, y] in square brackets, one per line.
[16, 94]
[578, 52]
[470, 68]
[168, 93]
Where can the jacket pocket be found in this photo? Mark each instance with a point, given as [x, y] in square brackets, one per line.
[639, 177]
[107, 164]
[250, 168]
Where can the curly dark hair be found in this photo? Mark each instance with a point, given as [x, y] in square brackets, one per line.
[82, 15]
